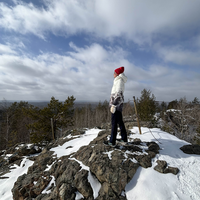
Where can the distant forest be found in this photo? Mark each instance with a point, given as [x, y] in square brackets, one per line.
[35, 122]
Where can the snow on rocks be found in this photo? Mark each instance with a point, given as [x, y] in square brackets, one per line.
[80, 166]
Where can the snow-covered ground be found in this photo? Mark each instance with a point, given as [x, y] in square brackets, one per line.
[147, 184]
[6, 185]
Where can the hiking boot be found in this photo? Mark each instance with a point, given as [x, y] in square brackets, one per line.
[122, 142]
[109, 144]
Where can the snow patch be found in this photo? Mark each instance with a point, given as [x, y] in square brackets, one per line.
[109, 154]
[52, 182]
[95, 184]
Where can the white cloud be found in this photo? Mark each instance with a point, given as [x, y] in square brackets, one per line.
[179, 55]
[140, 21]
[87, 73]
[51, 74]
[6, 49]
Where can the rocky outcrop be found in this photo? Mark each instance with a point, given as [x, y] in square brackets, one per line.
[24, 149]
[163, 168]
[14, 155]
[191, 149]
[63, 178]
[112, 169]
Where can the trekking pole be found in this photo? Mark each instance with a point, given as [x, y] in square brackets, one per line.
[137, 115]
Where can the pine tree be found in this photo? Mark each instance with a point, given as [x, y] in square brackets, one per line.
[13, 126]
[50, 119]
[146, 105]
[173, 104]
[195, 101]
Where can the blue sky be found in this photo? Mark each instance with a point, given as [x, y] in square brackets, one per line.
[61, 48]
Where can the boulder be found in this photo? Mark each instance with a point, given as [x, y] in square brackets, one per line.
[144, 160]
[28, 150]
[162, 164]
[152, 146]
[137, 141]
[163, 168]
[173, 170]
[30, 185]
[14, 158]
[191, 149]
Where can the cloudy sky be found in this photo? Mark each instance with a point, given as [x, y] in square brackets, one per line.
[71, 47]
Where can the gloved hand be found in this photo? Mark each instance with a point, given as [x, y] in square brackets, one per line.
[113, 109]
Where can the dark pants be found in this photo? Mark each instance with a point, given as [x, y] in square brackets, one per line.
[117, 119]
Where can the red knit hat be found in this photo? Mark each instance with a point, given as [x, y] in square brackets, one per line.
[119, 70]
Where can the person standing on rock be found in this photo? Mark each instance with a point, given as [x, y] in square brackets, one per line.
[116, 106]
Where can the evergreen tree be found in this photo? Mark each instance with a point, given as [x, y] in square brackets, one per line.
[162, 109]
[13, 126]
[173, 104]
[163, 106]
[47, 121]
[146, 105]
[195, 101]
